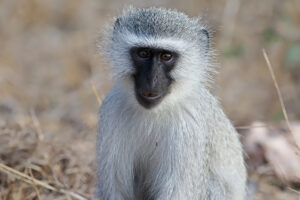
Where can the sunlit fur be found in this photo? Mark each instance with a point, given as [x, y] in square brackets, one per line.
[185, 148]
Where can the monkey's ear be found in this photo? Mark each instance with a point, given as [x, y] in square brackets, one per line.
[205, 38]
[117, 23]
[117, 26]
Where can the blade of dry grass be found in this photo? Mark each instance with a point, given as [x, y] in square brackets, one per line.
[282, 106]
[279, 95]
[37, 125]
[35, 186]
[35, 182]
[96, 93]
[249, 127]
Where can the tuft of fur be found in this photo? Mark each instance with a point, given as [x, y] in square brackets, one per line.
[185, 147]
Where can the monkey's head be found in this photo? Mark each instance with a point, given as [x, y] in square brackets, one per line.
[159, 54]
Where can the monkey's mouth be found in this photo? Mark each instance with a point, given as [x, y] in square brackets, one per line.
[150, 96]
[149, 99]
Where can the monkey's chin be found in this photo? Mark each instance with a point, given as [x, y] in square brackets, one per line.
[149, 101]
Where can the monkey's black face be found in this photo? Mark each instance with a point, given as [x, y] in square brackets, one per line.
[152, 78]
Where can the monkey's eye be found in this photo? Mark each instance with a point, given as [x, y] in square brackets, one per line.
[166, 56]
[143, 53]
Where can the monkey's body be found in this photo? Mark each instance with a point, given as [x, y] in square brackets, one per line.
[181, 148]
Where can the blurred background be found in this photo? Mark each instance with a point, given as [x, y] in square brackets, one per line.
[50, 69]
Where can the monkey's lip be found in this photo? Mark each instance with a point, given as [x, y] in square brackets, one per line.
[150, 96]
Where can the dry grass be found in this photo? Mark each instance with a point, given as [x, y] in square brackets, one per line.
[35, 182]
[49, 171]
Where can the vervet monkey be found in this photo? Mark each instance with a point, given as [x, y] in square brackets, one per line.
[162, 134]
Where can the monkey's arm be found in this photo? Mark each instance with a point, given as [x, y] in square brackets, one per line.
[228, 164]
[115, 177]
[106, 189]
[105, 153]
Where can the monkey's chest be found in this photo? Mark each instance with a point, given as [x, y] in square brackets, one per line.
[151, 149]
[149, 165]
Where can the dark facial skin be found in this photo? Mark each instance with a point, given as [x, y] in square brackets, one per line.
[152, 78]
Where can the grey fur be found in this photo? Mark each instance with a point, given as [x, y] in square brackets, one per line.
[159, 22]
[185, 148]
